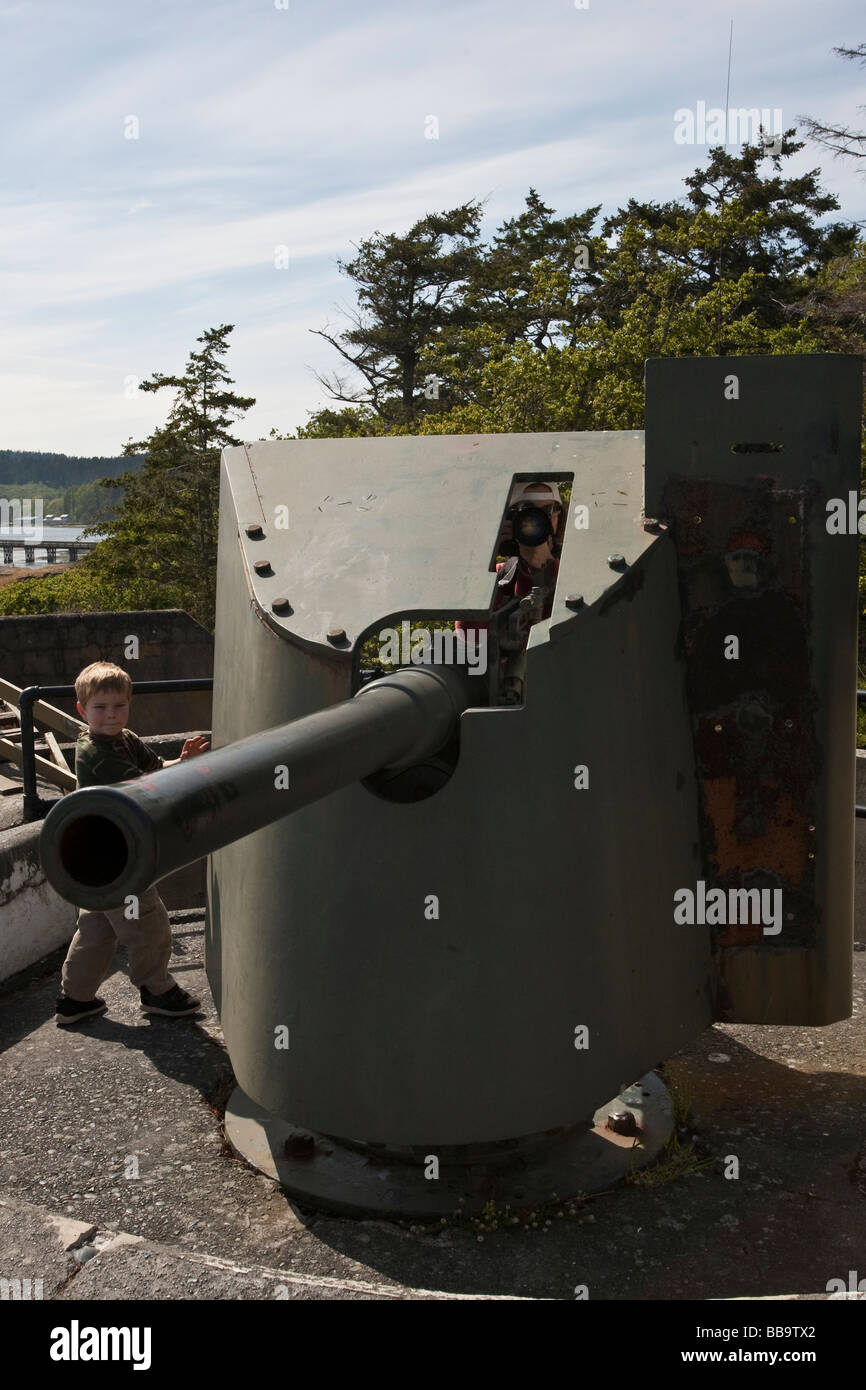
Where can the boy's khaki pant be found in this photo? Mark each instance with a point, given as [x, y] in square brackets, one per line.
[147, 940]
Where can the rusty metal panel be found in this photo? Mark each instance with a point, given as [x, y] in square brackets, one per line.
[743, 456]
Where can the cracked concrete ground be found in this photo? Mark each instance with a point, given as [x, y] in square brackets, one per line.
[85, 1109]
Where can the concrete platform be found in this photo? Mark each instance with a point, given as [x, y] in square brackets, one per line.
[83, 1110]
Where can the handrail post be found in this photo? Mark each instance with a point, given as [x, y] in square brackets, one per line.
[26, 700]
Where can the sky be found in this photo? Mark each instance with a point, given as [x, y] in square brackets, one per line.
[155, 155]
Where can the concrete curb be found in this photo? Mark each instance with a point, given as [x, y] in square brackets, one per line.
[34, 920]
[72, 1261]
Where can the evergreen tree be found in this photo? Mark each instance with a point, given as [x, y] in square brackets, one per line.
[165, 531]
[409, 289]
[770, 229]
[527, 283]
[839, 138]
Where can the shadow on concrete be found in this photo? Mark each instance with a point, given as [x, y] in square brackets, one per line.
[793, 1219]
[27, 1004]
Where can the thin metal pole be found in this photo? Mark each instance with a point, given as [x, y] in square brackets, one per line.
[728, 86]
[26, 700]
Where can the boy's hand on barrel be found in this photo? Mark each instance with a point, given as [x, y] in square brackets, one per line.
[192, 746]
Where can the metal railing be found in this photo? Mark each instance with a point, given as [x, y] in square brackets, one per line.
[34, 806]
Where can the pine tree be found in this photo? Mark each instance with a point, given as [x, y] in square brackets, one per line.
[842, 140]
[165, 531]
[768, 225]
[409, 289]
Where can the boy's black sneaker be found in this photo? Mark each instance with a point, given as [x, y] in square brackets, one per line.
[71, 1010]
[175, 1002]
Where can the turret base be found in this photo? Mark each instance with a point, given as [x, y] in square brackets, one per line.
[353, 1179]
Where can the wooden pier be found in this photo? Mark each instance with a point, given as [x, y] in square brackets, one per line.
[73, 549]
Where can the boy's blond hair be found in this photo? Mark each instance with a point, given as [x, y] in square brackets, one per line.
[101, 675]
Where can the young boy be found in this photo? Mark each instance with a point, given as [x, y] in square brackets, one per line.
[108, 753]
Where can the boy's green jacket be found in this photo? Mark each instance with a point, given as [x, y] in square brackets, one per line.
[102, 759]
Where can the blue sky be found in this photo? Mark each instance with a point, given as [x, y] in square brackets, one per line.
[304, 126]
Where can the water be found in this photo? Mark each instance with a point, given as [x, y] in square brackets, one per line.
[51, 535]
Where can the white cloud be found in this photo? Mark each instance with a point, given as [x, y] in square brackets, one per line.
[306, 127]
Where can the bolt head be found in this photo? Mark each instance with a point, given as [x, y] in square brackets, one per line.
[263, 567]
[616, 561]
[621, 1122]
[300, 1146]
[254, 531]
[280, 605]
[337, 634]
[574, 600]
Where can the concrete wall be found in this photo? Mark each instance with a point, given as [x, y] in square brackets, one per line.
[33, 920]
[51, 649]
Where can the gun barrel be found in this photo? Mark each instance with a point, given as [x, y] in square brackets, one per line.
[101, 844]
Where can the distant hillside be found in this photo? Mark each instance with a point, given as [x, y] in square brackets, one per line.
[60, 470]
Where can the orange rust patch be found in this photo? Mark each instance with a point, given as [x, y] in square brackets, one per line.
[781, 849]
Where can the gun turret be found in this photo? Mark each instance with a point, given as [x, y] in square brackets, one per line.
[644, 826]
